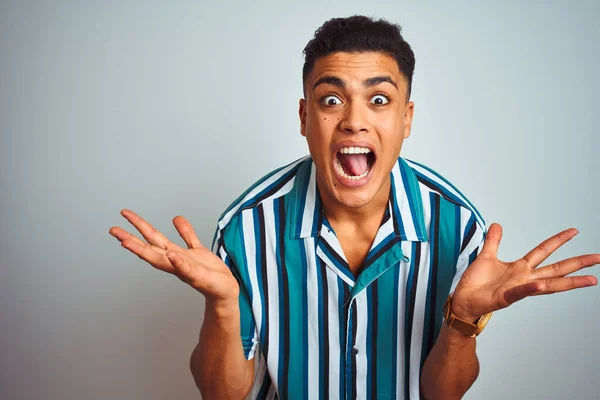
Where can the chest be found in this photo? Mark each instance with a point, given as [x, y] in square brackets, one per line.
[321, 327]
[355, 246]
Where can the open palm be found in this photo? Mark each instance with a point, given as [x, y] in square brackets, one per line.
[197, 266]
[489, 284]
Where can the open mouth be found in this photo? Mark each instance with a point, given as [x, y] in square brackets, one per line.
[354, 163]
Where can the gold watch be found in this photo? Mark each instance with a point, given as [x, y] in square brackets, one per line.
[468, 328]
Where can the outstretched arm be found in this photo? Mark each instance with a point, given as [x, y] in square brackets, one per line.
[489, 285]
[218, 364]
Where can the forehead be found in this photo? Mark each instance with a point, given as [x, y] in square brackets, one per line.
[356, 67]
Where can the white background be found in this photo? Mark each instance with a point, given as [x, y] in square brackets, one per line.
[176, 108]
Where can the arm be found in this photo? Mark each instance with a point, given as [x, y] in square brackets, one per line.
[451, 367]
[218, 364]
[488, 285]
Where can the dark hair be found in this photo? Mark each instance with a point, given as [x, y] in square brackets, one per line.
[360, 34]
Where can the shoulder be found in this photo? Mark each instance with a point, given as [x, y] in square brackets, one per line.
[273, 185]
[432, 182]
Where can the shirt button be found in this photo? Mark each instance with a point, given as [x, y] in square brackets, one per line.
[354, 351]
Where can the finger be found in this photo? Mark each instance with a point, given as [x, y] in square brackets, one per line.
[145, 252]
[122, 234]
[536, 256]
[548, 286]
[556, 285]
[492, 240]
[187, 233]
[150, 233]
[566, 267]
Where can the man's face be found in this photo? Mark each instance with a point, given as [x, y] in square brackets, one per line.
[355, 118]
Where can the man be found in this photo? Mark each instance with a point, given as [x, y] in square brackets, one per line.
[340, 268]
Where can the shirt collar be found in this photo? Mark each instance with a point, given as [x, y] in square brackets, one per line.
[306, 213]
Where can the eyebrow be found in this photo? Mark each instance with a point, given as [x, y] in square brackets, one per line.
[335, 81]
[376, 80]
[332, 80]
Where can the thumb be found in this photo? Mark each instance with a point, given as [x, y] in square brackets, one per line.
[492, 240]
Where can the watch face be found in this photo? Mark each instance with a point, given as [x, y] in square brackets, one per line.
[482, 321]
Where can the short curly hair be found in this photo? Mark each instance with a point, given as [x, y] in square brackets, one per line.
[359, 33]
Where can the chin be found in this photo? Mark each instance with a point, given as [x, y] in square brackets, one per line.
[355, 196]
[354, 200]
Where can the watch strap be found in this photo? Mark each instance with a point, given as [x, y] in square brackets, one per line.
[468, 328]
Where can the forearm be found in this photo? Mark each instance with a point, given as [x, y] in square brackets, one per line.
[451, 367]
[218, 364]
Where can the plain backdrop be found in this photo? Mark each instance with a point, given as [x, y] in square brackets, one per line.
[172, 108]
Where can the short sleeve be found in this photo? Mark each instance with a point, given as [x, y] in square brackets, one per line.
[473, 237]
[248, 329]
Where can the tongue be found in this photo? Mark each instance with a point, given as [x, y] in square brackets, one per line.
[353, 164]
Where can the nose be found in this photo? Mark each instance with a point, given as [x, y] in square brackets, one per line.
[354, 119]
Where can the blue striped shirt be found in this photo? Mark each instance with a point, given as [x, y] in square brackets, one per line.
[317, 330]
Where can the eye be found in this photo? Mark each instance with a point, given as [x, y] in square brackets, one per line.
[379, 100]
[331, 100]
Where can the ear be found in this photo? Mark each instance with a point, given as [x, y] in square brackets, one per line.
[302, 114]
[409, 111]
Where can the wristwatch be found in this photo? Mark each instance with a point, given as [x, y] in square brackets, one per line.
[468, 328]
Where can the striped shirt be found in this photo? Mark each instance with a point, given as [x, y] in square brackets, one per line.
[318, 331]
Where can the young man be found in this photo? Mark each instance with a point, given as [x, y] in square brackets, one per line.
[340, 267]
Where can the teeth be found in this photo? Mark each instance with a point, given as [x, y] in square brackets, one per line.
[345, 175]
[355, 150]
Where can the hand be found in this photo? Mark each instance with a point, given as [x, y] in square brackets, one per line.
[197, 266]
[489, 284]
